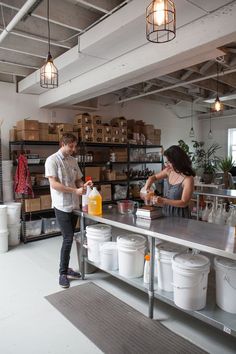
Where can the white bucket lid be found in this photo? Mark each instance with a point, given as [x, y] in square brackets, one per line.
[169, 249]
[3, 207]
[109, 247]
[101, 228]
[221, 262]
[191, 261]
[131, 240]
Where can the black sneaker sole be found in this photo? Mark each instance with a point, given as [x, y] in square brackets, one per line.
[64, 286]
[73, 277]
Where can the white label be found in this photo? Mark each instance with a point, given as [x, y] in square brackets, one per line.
[227, 330]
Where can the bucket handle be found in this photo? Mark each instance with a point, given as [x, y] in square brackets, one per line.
[189, 287]
[228, 281]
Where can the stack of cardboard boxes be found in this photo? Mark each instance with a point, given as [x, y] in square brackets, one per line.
[27, 130]
[41, 203]
[142, 133]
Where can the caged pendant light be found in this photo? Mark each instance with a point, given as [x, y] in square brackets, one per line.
[48, 72]
[161, 21]
[191, 132]
[218, 105]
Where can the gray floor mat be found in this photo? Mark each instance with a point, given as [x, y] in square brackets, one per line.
[115, 327]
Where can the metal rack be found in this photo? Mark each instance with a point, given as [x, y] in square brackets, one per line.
[214, 239]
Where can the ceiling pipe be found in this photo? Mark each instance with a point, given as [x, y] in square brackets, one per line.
[16, 19]
[177, 85]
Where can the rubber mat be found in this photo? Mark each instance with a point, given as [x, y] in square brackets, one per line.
[115, 327]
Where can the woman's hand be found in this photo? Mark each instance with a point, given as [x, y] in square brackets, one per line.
[159, 201]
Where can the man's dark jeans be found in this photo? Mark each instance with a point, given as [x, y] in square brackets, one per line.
[67, 223]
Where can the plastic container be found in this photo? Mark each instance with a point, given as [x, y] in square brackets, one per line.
[126, 206]
[165, 252]
[146, 273]
[33, 228]
[7, 167]
[13, 213]
[147, 196]
[225, 284]
[94, 202]
[8, 191]
[131, 250]
[85, 196]
[3, 218]
[190, 278]
[96, 236]
[109, 256]
[14, 234]
[50, 225]
[3, 241]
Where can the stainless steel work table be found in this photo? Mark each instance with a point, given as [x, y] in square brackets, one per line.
[214, 239]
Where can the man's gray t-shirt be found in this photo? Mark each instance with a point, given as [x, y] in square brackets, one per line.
[67, 171]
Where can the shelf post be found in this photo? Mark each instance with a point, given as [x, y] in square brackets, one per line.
[151, 280]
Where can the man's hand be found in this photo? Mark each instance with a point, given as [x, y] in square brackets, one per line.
[82, 190]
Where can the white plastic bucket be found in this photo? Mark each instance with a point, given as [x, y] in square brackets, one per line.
[225, 284]
[190, 278]
[7, 166]
[3, 241]
[13, 213]
[131, 250]
[7, 191]
[3, 218]
[165, 252]
[14, 234]
[109, 256]
[96, 236]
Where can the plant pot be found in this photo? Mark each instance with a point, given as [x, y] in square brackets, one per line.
[207, 177]
[226, 180]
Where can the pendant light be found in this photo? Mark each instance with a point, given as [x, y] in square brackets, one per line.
[161, 21]
[191, 132]
[48, 72]
[210, 135]
[218, 105]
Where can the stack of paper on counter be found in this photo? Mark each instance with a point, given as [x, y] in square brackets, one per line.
[149, 212]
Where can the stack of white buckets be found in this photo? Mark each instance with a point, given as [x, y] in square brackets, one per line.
[7, 185]
[9, 225]
[127, 254]
[3, 229]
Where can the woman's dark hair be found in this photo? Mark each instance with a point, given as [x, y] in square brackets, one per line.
[180, 160]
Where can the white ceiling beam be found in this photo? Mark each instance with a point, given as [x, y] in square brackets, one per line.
[23, 52]
[20, 65]
[92, 6]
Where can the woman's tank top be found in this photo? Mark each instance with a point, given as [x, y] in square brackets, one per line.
[174, 191]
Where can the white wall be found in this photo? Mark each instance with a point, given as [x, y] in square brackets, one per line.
[15, 106]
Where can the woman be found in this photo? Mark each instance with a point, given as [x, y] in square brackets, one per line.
[180, 184]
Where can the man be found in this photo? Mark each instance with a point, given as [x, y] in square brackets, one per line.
[66, 186]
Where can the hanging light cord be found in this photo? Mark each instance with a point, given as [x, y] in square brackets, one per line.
[217, 81]
[48, 27]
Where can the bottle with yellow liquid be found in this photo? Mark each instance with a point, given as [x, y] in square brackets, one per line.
[94, 202]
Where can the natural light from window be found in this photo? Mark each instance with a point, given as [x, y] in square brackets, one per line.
[232, 143]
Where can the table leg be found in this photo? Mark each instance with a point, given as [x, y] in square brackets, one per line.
[82, 230]
[151, 280]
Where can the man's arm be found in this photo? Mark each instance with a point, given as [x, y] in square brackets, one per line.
[55, 184]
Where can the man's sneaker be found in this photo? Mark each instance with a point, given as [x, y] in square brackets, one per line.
[63, 281]
[71, 274]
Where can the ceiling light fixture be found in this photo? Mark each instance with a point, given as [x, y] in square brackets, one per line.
[160, 21]
[191, 132]
[210, 135]
[218, 105]
[48, 72]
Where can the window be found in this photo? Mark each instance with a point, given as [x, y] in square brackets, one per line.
[232, 143]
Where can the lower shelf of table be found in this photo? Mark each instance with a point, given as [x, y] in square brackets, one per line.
[40, 237]
[211, 314]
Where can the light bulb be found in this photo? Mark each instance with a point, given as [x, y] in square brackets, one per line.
[217, 105]
[159, 12]
[49, 71]
[210, 135]
[191, 133]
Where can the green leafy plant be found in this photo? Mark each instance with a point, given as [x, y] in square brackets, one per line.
[186, 148]
[226, 164]
[206, 158]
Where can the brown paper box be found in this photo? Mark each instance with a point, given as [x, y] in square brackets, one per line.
[45, 201]
[83, 119]
[27, 124]
[94, 172]
[105, 190]
[32, 204]
[28, 135]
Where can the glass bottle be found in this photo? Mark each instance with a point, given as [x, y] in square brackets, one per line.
[206, 212]
[211, 216]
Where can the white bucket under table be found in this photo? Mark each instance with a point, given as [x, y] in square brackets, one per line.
[3, 241]
[14, 234]
[190, 278]
[7, 191]
[7, 167]
[109, 256]
[131, 250]
[3, 218]
[165, 252]
[96, 236]
[225, 284]
[13, 213]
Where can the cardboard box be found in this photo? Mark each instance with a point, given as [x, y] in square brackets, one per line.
[115, 131]
[45, 202]
[32, 204]
[28, 135]
[27, 124]
[115, 139]
[110, 175]
[122, 140]
[107, 130]
[98, 130]
[98, 139]
[107, 139]
[119, 122]
[148, 129]
[43, 126]
[13, 134]
[105, 190]
[94, 172]
[86, 137]
[52, 137]
[83, 119]
[123, 131]
[86, 129]
[97, 120]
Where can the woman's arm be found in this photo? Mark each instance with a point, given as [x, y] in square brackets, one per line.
[158, 176]
[188, 187]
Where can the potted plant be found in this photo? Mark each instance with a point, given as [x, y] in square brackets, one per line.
[225, 165]
[206, 159]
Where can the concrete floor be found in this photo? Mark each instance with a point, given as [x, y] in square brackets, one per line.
[29, 324]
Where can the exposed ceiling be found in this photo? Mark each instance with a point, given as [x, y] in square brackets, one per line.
[194, 79]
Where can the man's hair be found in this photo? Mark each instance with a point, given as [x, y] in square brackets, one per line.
[68, 138]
